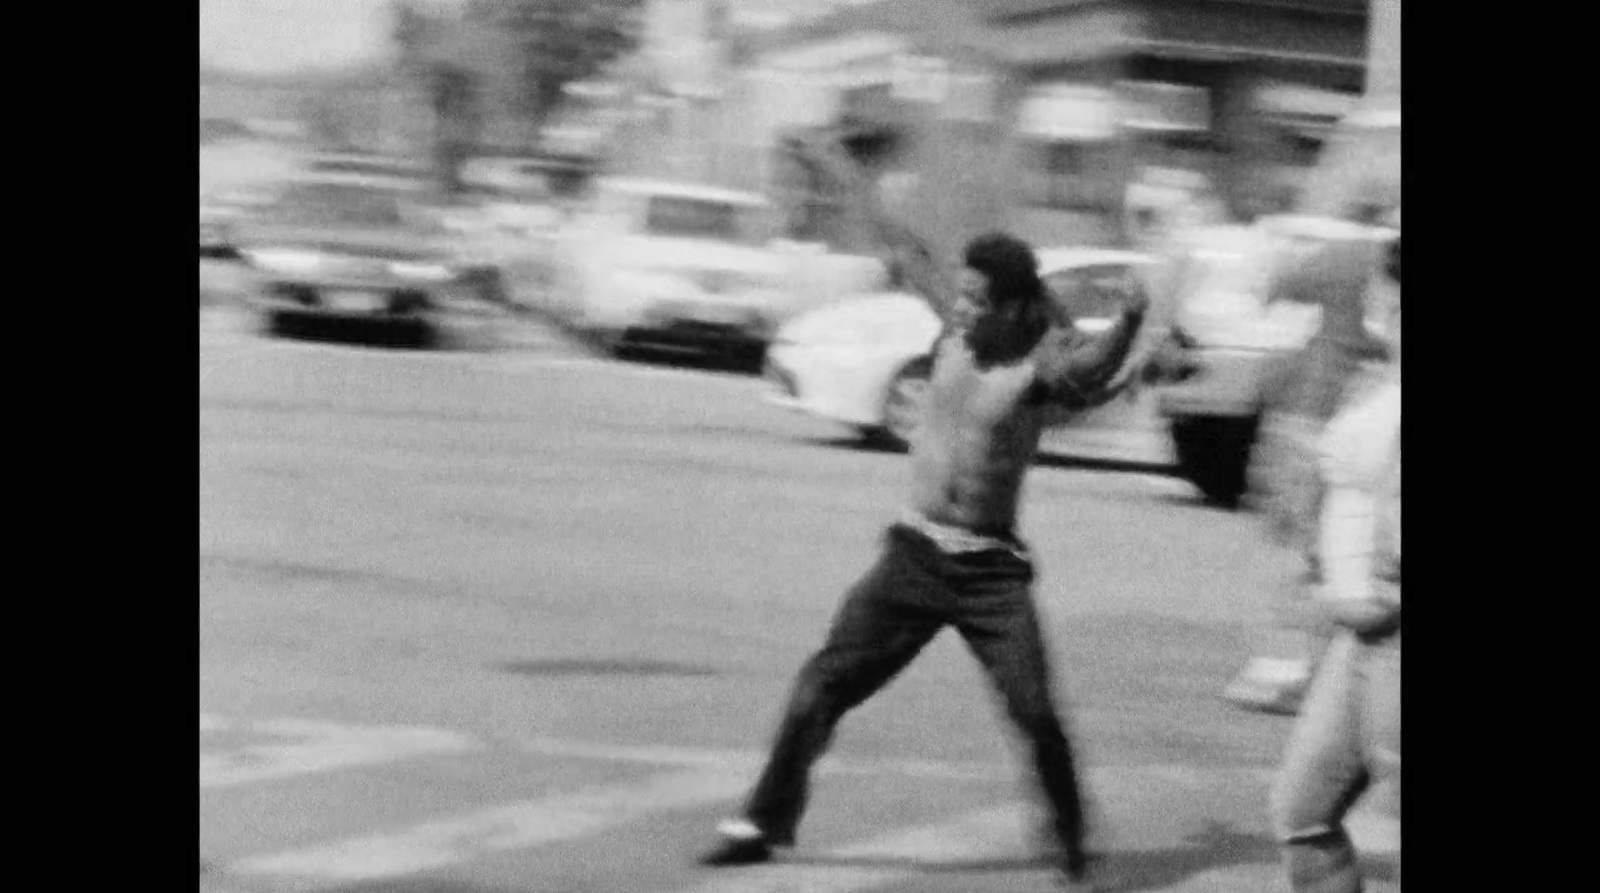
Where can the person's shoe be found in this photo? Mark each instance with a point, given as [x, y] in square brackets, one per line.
[1080, 868]
[1271, 686]
[742, 844]
[1078, 883]
[1083, 875]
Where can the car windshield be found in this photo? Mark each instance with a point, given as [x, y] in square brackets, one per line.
[339, 204]
[695, 218]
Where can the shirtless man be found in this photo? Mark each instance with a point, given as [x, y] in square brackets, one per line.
[1003, 360]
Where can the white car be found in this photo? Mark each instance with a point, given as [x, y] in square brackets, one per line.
[674, 266]
[865, 361]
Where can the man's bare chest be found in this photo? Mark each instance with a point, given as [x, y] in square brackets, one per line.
[963, 394]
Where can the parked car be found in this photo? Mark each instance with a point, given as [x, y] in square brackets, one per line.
[222, 213]
[670, 266]
[521, 203]
[865, 361]
[216, 237]
[354, 248]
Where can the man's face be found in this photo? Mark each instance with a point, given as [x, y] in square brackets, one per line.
[973, 301]
[990, 325]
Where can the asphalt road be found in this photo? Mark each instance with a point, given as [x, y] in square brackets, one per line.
[521, 620]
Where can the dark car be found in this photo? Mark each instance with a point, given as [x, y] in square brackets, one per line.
[369, 250]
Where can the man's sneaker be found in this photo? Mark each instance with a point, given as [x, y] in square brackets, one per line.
[742, 844]
[1078, 883]
[1080, 876]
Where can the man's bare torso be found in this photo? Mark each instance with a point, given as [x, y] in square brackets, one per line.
[979, 436]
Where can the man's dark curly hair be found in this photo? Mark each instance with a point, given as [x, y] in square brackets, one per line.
[1010, 265]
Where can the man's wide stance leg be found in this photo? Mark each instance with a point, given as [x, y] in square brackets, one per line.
[881, 625]
[1001, 625]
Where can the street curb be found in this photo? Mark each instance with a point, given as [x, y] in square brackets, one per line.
[503, 330]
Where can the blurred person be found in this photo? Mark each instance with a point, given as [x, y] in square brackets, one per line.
[1165, 206]
[1286, 483]
[954, 557]
[1174, 212]
[1348, 735]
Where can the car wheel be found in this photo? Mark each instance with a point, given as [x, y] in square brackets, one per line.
[747, 358]
[1214, 454]
[903, 405]
[279, 324]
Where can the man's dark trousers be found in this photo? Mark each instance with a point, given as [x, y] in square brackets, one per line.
[912, 593]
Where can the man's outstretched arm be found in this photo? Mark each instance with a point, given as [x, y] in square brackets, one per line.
[1080, 370]
[843, 176]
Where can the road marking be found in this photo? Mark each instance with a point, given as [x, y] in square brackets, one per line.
[667, 755]
[520, 825]
[749, 761]
[993, 833]
[322, 747]
[691, 777]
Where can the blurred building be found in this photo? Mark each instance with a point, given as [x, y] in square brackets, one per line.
[1361, 169]
[1073, 100]
[1070, 102]
[1041, 114]
[675, 106]
[1383, 71]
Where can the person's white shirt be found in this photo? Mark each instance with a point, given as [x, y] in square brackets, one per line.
[1361, 510]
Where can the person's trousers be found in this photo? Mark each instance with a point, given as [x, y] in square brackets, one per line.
[913, 592]
[1295, 628]
[1347, 738]
[1285, 477]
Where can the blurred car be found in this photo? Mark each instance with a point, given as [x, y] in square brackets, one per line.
[540, 178]
[671, 266]
[865, 361]
[349, 247]
[216, 238]
[221, 212]
[524, 200]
